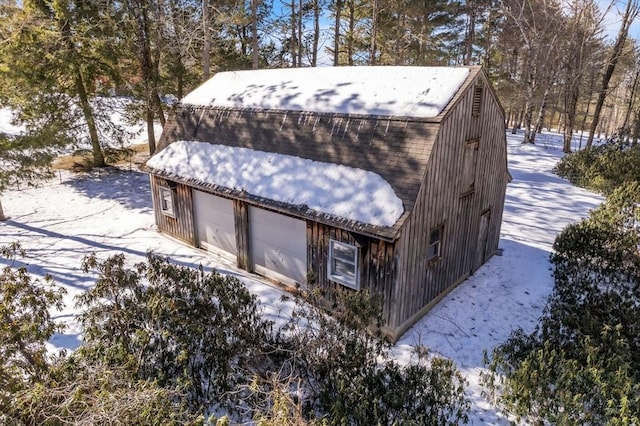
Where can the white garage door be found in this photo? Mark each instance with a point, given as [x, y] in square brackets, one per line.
[215, 224]
[278, 246]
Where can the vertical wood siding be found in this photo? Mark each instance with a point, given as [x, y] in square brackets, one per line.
[241, 213]
[377, 269]
[182, 226]
[441, 202]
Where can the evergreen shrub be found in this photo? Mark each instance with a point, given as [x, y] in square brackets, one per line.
[581, 364]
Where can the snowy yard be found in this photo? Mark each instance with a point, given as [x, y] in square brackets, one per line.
[109, 211]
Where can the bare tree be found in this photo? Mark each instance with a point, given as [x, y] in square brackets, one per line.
[337, 5]
[206, 48]
[584, 28]
[538, 27]
[630, 14]
[254, 34]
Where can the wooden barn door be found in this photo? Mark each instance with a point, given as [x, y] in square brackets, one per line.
[278, 246]
[483, 237]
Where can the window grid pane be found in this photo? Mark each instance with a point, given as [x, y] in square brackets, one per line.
[343, 264]
[344, 252]
[166, 201]
[433, 251]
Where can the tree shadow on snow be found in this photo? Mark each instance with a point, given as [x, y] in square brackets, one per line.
[130, 188]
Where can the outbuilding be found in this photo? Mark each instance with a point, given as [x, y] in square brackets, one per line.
[389, 179]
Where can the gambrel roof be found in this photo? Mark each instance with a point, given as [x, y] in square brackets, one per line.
[381, 91]
[382, 120]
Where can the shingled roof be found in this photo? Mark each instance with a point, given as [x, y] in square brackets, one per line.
[356, 131]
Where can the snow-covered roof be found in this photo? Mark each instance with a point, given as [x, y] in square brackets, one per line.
[419, 92]
[338, 190]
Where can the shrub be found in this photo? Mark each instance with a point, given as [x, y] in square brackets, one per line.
[581, 365]
[164, 344]
[602, 168]
[25, 325]
[191, 331]
[93, 394]
[342, 374]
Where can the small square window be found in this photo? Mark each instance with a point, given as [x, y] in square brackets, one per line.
[167, 202]
[343, 264]
[435, 243]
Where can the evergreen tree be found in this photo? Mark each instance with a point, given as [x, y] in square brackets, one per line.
[54, 92]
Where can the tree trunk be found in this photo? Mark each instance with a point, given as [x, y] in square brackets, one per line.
[2, 216]
[374, 33]
[571, 102]
[87, 112]
[632, 96]
[517, 122]
[350, 34]
[629, 15]
[528, 108]
[300, 34]
[316, 33]
[148, 68]
[468, 53]
[336, 33]
[206, 48]
[151, 133]
[254, 34]
[528, 114]
[83, 96]
[293, 48]
[543, 107]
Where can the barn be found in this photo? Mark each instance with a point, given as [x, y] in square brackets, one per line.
[387, 179]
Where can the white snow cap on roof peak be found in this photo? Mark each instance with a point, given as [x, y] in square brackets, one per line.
[400, 91]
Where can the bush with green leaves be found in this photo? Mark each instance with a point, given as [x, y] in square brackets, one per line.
[338, 368]
[602, 168]
[581, 365]
[25, 325]
[196, 332]
[163, 344]
[40, 389]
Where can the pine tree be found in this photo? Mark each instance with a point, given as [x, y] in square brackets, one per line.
[56, 90]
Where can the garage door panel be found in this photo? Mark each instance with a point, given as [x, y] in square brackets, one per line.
[215, 223]
[278, 245]
[276, 259]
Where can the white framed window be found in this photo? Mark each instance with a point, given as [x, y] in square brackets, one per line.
[435, 243]
[167, 201]
[343, 264]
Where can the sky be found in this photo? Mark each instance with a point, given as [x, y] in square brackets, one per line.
[613, 19]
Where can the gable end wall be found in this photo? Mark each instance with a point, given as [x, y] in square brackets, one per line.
[422, 283]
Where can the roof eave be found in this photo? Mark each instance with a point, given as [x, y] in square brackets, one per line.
[403, 118]
[388, 234]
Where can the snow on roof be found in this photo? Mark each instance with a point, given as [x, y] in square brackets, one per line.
[390, 91]
[334, 189]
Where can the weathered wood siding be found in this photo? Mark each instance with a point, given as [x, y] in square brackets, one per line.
[182, 226]
[376, 259]
[241, 213]
[443, 201]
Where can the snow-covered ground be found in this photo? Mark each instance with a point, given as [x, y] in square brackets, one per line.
[109, 211]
